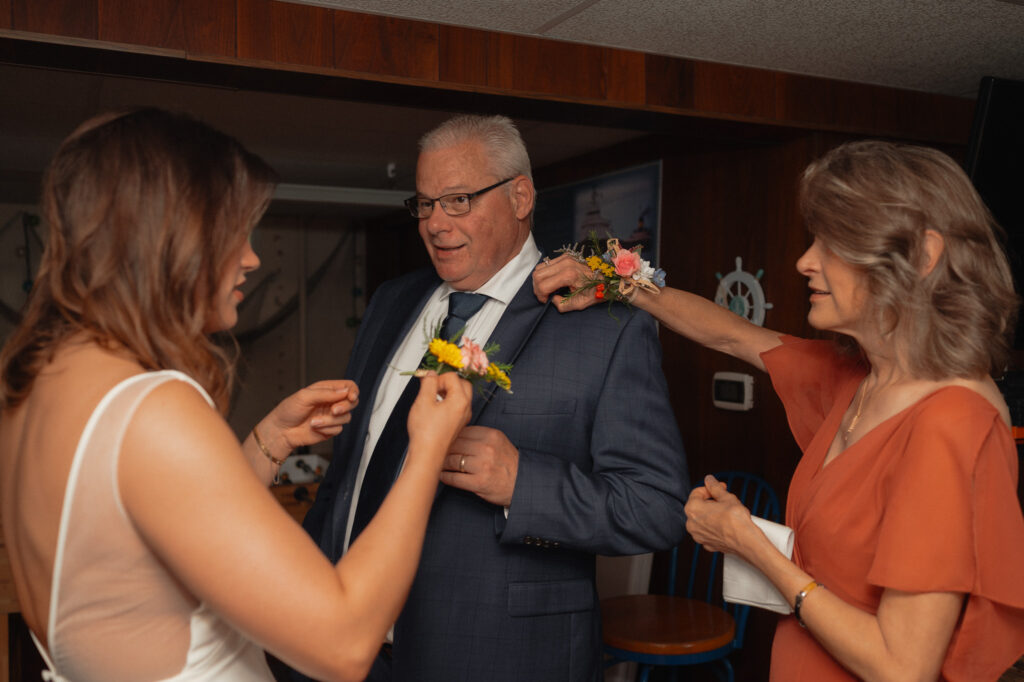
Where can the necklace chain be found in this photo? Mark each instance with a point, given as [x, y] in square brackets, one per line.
[856, 417]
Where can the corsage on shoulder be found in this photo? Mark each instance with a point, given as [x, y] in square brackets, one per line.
[617, 273]
[466, 357]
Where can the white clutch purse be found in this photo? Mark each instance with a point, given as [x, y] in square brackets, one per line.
[744, 584]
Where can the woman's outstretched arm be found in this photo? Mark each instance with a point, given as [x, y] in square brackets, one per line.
[689, 315]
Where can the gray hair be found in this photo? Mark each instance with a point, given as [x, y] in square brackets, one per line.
[498, 135]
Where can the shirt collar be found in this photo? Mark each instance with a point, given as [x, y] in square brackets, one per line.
[506, 282]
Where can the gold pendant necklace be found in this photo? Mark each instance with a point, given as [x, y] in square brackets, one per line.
[856, 417]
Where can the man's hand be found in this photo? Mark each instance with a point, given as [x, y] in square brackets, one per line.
[483, 461]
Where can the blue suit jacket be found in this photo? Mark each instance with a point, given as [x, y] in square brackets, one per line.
[601, 471]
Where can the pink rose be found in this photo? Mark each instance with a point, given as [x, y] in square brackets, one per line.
[474, 359]
[626, 262]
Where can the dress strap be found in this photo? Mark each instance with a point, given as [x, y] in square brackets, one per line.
[49, 675]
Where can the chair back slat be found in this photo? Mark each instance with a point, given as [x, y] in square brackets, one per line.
[672, 566]
[759, 497]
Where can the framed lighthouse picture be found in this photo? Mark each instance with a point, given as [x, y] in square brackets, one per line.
[625, 204]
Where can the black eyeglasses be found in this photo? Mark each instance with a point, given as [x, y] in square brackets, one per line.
[452, 204]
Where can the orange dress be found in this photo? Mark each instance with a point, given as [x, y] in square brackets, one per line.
[924, 502]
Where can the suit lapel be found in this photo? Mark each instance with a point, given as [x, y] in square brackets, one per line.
[514, 329]
[400, 316]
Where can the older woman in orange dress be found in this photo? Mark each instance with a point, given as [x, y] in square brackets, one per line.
[909, 536]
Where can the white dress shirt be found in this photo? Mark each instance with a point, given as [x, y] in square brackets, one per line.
[500, 289]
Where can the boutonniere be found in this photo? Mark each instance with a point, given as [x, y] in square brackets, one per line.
[466, 357]
[617, 273]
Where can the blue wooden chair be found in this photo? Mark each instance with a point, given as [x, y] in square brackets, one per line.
[657, 630]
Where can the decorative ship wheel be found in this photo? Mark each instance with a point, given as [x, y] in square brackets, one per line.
[741, 292]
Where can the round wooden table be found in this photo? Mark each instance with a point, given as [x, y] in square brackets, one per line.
[662, 625]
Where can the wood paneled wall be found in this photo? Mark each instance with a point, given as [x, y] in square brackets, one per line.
[293, 37]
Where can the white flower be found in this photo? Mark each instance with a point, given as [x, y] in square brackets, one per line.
[646, 271]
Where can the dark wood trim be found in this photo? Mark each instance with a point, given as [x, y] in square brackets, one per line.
[284, 33]
[125, 21]
[430, 58]
[108, 60]
[370, 43]
[72, 18]
[211, 27]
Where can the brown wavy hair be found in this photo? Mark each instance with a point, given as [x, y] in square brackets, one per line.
[145, 209]
[871, 202]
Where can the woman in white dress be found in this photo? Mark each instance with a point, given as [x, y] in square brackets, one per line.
[142, 537]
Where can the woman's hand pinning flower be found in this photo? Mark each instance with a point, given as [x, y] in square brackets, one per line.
[466, 357]
[616, 275]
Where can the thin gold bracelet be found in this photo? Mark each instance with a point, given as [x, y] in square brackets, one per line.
[264, 448]
[799, 601]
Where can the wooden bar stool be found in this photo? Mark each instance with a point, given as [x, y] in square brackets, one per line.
[656, 630]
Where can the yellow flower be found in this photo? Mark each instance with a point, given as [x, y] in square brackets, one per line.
[447, 353]
[495, 374]
[597, 264]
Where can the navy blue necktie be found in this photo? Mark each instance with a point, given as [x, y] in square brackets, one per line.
[461, 307]
[394, 438]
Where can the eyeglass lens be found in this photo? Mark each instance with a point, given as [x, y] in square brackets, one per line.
[452, 204]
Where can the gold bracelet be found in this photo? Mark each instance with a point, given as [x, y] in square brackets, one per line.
[799, 601]
[264, 448]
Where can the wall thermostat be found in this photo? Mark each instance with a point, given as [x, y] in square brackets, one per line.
[732, 391]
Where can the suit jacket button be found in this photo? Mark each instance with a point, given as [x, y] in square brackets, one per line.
[528, 540]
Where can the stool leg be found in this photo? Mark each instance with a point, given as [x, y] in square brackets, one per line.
[728, 674]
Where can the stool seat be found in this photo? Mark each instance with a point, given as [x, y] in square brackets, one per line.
[664, 625]
[662, 630]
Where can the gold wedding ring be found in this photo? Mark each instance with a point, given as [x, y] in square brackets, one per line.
[462, 464]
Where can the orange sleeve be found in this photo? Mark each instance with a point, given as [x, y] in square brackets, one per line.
[953, 523]
[955, 479]
[806, 376]
[925, 539]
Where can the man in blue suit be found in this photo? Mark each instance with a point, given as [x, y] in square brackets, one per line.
[582, 458]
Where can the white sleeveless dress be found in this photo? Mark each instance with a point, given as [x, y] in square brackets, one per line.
[116, 614]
